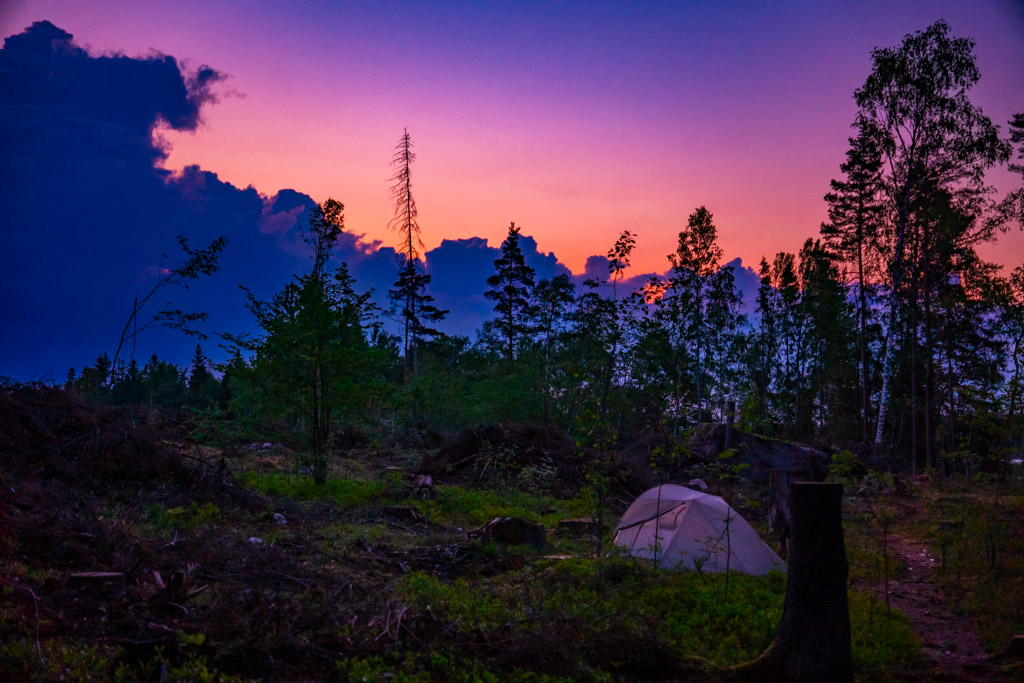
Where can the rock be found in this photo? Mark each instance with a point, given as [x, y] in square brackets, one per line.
[255, 540]
[762, 454]
[697, 484]
[279, 518]
[514, 531]
[422, 483]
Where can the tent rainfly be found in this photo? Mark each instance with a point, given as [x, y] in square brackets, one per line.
[685, 529]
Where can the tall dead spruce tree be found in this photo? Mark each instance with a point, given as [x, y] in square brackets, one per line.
[409, 295]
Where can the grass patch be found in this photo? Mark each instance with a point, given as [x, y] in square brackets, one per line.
[475, 506]
[879, 643]
[610, 616]
[343, 492]
[180, 518]
[623, 618]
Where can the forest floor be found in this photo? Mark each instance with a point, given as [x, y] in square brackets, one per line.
[949, 641]
[934, 594]
[130, 552]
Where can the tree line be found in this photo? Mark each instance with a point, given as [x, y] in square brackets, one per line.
[886, 329]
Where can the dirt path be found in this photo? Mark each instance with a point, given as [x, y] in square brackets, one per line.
[949, 642]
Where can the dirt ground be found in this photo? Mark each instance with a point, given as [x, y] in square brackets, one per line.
[949, 642]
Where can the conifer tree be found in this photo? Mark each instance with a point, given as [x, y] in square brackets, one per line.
[417, 310]
[764, 353]
[203, 387]
[829, 335]
[552, 304]
[312, 360]
[855, 215]
[1012, 206]
[510, 289]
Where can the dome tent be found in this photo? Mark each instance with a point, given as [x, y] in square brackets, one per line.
[687, 529]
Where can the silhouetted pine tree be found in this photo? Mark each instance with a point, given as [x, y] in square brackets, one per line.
[510, 288]
[855, 216]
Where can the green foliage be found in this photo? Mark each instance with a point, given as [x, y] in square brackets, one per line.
[58, 659]
[678, 612]
[698, 308]
[667, 460]
[468, 507]
[180, 518]
[313, 362]
[346, 493]
[643, 611]
[880, 643]
[844, 467]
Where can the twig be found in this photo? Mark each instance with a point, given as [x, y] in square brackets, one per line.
[212, 577]
[134, 643]
[396, 525]
[304, 584]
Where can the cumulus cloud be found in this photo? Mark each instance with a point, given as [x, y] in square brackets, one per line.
[87, 214]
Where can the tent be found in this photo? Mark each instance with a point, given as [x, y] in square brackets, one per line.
[687, 529]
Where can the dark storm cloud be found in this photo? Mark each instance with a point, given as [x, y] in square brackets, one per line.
[86, 214]
[43, 69]
[459, 270]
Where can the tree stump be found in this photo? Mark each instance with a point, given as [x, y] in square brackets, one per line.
[813, 641]
[779, 482]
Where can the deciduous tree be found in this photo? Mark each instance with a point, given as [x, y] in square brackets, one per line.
[932, 137]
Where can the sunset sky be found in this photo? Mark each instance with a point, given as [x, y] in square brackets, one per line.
[576, 120]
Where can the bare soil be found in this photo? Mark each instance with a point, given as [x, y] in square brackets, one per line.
[949, 641]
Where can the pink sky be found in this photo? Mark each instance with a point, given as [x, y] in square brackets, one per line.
[577, 121]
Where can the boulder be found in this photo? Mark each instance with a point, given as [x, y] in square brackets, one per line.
[762, 454]
[514, 531]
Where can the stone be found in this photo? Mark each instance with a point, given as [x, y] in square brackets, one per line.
[514, 531]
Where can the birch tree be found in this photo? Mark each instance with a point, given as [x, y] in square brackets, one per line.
[931, 137]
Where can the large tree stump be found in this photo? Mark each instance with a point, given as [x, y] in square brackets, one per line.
[813, 641]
